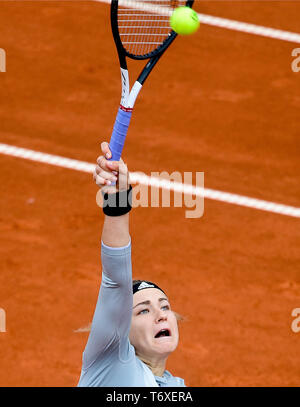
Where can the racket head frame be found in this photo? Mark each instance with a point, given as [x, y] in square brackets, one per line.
[122, 52]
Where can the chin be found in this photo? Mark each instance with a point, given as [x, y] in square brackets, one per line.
[166, 347]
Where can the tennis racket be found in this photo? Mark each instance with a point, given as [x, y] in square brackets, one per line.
[141, 30]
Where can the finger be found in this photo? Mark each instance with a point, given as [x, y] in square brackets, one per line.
[102, 163]
[107, 175]
[98, 161]
[99, 180]
[98, 169]
[113, 165]
[105, 149]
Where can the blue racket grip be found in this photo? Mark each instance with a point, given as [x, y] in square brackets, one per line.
[119, 133]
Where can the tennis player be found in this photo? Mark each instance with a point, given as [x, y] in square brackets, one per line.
[134, 329]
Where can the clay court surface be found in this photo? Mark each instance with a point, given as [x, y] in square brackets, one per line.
[222, 102]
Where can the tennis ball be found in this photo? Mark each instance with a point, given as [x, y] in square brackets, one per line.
[184, 20]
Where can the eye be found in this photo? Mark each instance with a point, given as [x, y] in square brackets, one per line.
[166, 307]
[144, 311]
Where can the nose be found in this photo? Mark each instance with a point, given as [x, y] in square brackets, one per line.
[160, 316]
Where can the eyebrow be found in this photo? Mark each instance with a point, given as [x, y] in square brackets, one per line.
[149, 302]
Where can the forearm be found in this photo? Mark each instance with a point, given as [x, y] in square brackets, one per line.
[115, 232]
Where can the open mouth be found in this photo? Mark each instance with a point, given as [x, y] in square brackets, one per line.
[162, 332]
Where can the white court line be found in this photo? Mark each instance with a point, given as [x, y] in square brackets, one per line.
[219, 22]
[211, 20]
[146, 180]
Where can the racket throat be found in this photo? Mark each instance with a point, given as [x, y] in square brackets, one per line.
[128, 99]
[133, 94]
[125, 87]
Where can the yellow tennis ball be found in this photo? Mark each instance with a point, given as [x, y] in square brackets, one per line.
[184, 20]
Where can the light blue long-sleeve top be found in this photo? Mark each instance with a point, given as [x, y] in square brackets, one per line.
[109, 359]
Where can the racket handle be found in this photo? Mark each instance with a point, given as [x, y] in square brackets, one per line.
[119, 133]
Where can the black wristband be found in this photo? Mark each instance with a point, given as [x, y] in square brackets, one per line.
[117, 204]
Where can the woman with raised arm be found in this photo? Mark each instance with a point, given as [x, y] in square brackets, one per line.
[134, 329]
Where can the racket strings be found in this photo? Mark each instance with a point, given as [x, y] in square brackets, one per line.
[144, 25]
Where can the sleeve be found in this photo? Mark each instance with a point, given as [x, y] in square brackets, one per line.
[112, 316]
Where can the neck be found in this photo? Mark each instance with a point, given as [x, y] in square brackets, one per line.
[156, 366]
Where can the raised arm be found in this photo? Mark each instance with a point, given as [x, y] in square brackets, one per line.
[112, 316]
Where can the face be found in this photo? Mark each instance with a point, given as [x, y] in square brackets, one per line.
[154, 330]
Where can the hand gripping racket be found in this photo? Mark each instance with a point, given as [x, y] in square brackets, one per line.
[141, 30]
